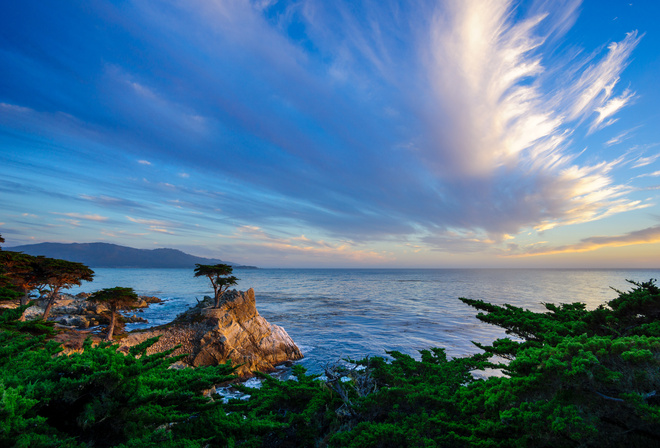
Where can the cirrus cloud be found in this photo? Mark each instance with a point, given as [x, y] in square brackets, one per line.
[454, 123]
[649, 235]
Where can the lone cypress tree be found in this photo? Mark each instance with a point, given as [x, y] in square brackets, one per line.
[117, 298]
[220, 277]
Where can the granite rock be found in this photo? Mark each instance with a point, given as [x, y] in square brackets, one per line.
[235, 331]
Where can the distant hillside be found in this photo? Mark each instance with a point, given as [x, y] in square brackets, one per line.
[105, 255]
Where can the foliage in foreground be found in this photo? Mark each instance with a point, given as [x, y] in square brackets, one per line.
[97, 398]
[573, 378]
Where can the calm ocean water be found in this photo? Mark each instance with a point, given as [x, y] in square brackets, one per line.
[338, 313]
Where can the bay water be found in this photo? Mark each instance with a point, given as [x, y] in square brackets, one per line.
[352, 313]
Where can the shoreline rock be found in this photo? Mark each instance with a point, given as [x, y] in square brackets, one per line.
[76, 311]
[235, 331]
[209, 336]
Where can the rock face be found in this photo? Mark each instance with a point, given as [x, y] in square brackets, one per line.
[235, 332]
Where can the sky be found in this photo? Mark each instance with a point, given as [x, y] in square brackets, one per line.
[308, 133]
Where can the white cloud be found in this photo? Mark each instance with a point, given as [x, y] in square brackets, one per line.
[610, 108]
[643, 161]
[15, 108]
[260, 240]
[621, 137]
[594, 88]
[653, 174]
[382, 121]
[650, 235]
[151, 222]
[94, 217]
[489, 113]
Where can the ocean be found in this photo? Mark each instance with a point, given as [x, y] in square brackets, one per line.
[334, 314]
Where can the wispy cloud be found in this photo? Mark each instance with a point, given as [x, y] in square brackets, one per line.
[643, 161]
[595, 86]
[150, 222]
[111, 201]
[610, 108]
[14, 108]
[156, 229]
[442, 123]
[621, 137]
[653, 174]
[645, 236]
[259, 240]
[501, 137]
[79, 216]
[123, 234]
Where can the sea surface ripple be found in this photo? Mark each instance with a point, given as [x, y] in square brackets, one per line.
[352, 313]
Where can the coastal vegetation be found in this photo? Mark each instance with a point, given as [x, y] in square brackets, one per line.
[220, 277]
[566, 377]
[117, 298]
[53, 275]
[26, 273]
[20, 272]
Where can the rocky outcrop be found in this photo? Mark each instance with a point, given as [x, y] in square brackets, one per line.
[76, 311]
[235, 331]
[208, 336]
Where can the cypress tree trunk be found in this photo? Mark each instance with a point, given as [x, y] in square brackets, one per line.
[111, 327]
[51, 301]
[216, 290]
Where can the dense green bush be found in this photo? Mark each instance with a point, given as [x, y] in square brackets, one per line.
[95, 398]
[571, 377]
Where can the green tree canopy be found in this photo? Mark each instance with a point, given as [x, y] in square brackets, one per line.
[56, 275]
[574, 378]
[103, 398]
[117, 298]
[21, 271]
[220, 277]
[8, 290]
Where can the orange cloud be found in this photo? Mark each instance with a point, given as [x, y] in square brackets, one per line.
[151, 222]
[81, 216]
[255, 236]
[649, 235]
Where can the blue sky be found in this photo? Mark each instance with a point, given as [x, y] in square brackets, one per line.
[459, 133]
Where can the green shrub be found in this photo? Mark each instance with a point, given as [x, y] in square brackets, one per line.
[571, 377]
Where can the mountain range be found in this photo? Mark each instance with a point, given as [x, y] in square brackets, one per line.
[106, 255]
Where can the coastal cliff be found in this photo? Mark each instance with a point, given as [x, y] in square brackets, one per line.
[209, 336]
[235, 331]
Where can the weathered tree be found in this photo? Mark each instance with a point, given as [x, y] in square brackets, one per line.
[21, 270]
[8, 290]
[220, 277]
[117, 298]
[58, 274]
